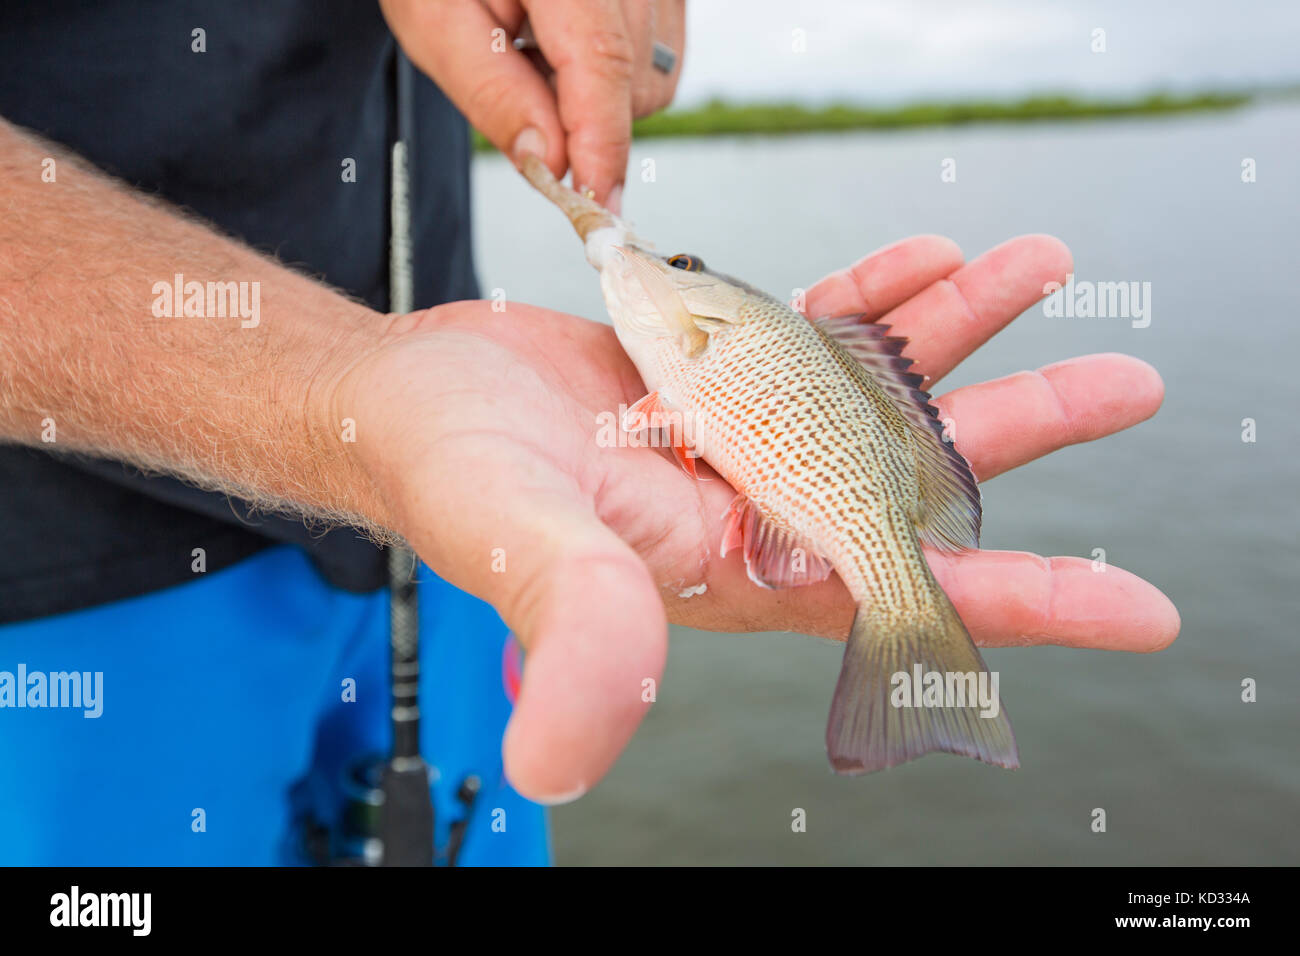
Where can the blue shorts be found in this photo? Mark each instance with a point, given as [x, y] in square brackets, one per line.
[225, 719]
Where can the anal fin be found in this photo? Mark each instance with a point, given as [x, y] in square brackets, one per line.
[774, 557]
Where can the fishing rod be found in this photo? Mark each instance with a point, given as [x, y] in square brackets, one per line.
[406, 817]
[388, 810]
[388, 815]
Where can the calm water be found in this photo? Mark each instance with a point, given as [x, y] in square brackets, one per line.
[1187, 773]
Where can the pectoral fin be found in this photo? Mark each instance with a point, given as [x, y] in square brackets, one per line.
[653, 411]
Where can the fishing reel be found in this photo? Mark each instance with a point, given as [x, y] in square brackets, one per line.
[387, 816]
[386, 805]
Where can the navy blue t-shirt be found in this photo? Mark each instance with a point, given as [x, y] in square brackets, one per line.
[251, 134]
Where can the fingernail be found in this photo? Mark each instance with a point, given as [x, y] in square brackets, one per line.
[615, 201]
[554, 800]
[530, 140]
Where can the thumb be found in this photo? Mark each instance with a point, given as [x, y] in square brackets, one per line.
[595, 632]
[469, 54]
[513, 529]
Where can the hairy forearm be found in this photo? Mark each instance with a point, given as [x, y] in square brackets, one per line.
[98, 354]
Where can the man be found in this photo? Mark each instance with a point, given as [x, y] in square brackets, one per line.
[242, 652]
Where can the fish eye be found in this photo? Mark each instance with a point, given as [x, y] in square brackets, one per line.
[689, 263]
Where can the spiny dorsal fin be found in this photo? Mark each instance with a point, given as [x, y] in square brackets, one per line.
[949, 514]
[774, 556]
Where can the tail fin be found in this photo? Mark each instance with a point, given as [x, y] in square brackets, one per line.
[887, 710]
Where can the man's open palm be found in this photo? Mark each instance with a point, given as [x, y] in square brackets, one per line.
[481, 430]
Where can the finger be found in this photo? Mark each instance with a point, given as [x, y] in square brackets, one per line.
[523, 536]
[885, 278]
[1010, 598]
[509, 13]
[467, 52]
[593, 56]
[651, 21]
[589, 615]
[1007, 422]
[595, 632]
[947, 321]
[639, 17]
[1005, 599]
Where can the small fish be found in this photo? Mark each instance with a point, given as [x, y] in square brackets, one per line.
[839, 464]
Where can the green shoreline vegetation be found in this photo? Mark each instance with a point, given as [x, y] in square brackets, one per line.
[718, 118]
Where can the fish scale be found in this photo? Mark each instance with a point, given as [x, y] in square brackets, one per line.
[839, 464]
[821, 472]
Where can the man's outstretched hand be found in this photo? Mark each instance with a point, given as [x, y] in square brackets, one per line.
[478, 431]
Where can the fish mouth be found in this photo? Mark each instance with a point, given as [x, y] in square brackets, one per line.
[635, 257]
[643, 268]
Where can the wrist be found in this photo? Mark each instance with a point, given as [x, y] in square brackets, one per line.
[338, 431]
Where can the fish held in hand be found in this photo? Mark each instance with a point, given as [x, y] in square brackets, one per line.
[839, 464]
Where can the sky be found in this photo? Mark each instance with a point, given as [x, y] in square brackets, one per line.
[892, 51]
